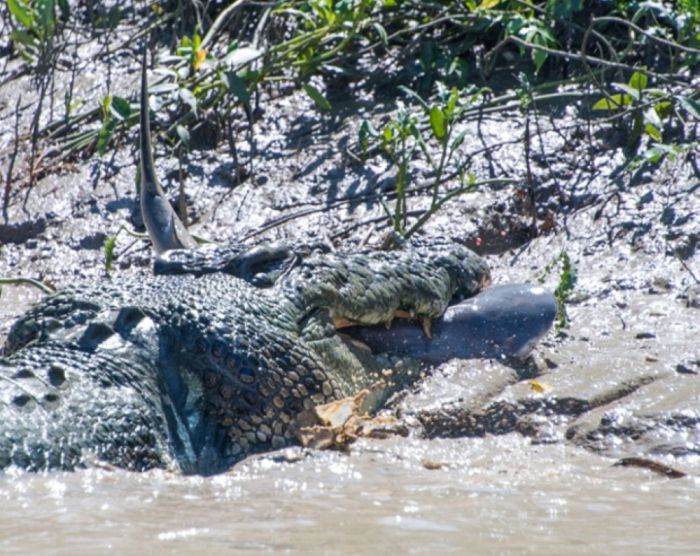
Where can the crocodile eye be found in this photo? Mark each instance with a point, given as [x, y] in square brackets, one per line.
[128, 318]
[95, 334]
[263, 265]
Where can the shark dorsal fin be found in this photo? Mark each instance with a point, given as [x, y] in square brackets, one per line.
[164, 227]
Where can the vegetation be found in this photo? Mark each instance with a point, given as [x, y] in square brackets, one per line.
[623, 63]
[450, 52]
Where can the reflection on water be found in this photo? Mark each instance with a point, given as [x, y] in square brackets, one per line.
[497, 495]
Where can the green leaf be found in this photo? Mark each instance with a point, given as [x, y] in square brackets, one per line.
[635, 133]
[539, 58]
[438, 122]
[65, 8]
[663, 109]
[379, 28]
[105, 135]
[563, 9]
[387, 133]
[452, 103]
[110, 244]
[613, 103]
[21, 12]
[653, 155]
[189, 99]
[653, 132]
[162, 88]
[631, 91]
[459, 140]
[236, 86]
[23, 38]
[638, 81]
[415, 132]
[651, 117]
[364, 134]
[691, 106]
[45, 11]
[658, 151]
[315, 95]
[654, 92]
[415, 96]
[106, 103]
[120, 108]
[183, 134]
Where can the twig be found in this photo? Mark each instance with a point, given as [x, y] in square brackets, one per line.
[220, 20]
[10, 166]
[647, 34]
[672, 78]
[28, 282]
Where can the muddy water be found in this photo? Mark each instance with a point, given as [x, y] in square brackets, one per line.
[496, 495]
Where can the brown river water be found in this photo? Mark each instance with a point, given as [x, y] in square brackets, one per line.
[494, 495]
[497, 495]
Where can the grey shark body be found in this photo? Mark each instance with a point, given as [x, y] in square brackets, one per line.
[501, 321]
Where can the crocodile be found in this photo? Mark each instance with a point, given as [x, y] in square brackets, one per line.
[214, 355]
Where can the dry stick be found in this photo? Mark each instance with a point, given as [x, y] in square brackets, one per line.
[10, 167]
[14, 75]
[447, 197]
[543, 11]
[27, 282]
[372, 222]
[35, 133]
[234, 150]
[572, 56]
[68, 96]
[370, 196]
[528, 169]
[654, 38]
[685, 265]
[220, 20]
[417, 189]
[181, 201]
[260, 28]
[591, 74]
[543, 153]
[134, 39]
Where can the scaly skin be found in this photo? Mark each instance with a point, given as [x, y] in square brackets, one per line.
[197, 368]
